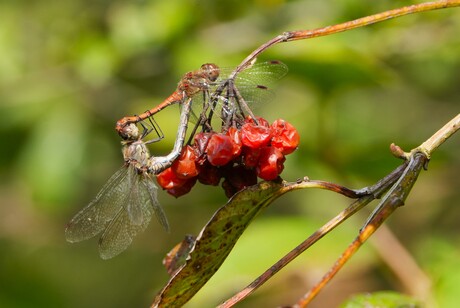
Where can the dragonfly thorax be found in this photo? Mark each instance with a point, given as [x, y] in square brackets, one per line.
[136, 154]
[199, 80]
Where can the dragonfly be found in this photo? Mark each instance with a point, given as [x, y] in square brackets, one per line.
[211, 94]
[125, 204]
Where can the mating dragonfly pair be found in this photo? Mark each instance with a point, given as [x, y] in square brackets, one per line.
[126, 203]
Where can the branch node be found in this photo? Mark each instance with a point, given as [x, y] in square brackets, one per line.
[398, 152]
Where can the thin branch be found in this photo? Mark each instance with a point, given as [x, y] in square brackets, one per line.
[349, 25]
[405, 178]
[392, 200]
[316, 236]
[432, 143]
[368, 195]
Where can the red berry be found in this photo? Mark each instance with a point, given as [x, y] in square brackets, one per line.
[284, 136]
[228, 188]
[241, 177]
[235, 136]
[209, 175]
[185, 167]
[168, 179]
[270, 163]
[255, 136]
[219, 150]
[200, 145]
[260, 121]
[251, 157]
[183, 189]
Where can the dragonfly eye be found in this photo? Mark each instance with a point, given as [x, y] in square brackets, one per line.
[130, 132]
[211, 70]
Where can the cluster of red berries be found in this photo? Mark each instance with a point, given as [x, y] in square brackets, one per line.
[239, 155]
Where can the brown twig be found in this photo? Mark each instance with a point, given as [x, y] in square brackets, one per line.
[368, 194]
[406, 176]
[432, 143]
[383, 210]
[418, 157]
[316, 236]
[392, 200]
[349, 25]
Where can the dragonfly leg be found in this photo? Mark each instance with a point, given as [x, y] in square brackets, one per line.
[243, 106]
[153, 127]
[160, 163]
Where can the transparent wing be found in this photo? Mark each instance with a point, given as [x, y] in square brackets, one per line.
[198, 102]
[121, 230]
[157, 209]
[253, 84]
[134, 201]
[92, 219]
[263, 73]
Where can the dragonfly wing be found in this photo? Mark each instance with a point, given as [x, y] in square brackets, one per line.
[92, 219]
[198, 102]
[264, 73]
[134, 201]
[116, 237]
[254, 85]
[152, 189]
[121, 230]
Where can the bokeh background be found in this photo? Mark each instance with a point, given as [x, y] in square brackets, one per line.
[70, 69]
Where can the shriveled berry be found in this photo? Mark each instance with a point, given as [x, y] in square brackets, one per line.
[255, 136]
[185, 167]
[235, 136]
[200, 144]
[209, 174]
[183, 189]
[271, 163]
[168, 179]
[260, 121]
[250, 157]
[284, 136]
[219, 150]
[229, 189]
[241, 177]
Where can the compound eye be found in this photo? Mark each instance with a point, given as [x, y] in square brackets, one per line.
[211, 71]
[130, 132]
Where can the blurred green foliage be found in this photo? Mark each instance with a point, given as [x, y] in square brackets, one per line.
[381, 299]
[70, 69]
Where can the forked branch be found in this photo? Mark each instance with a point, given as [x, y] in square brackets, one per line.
[401, 181]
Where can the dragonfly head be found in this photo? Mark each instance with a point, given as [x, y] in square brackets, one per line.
[129, 133]
[211, 71]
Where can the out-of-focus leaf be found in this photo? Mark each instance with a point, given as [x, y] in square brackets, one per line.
[54, 153]
[384, 299]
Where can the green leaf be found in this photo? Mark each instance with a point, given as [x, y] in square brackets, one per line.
[216, 240]
[220, 234]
